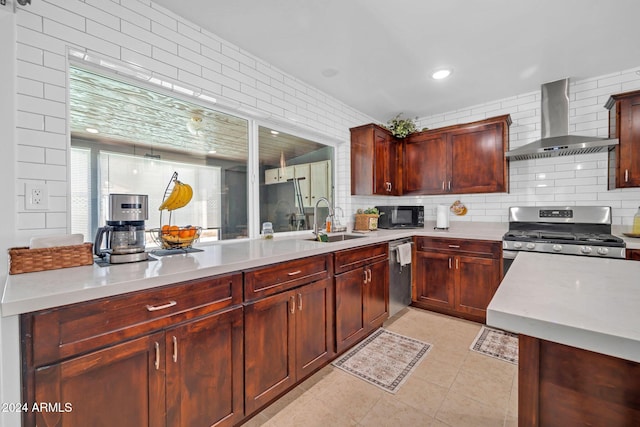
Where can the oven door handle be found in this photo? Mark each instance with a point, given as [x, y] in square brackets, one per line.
[509, 254]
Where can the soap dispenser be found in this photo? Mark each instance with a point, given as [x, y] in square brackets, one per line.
[636, 223]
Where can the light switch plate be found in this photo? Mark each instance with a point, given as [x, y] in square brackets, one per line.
[36, 196]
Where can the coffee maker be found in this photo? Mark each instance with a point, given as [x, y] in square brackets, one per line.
[125, 235]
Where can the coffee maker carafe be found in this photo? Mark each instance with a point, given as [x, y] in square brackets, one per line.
[124, 234]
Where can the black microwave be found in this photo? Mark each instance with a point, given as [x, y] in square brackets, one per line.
[401, 216]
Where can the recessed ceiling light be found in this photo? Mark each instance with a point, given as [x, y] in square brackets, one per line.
[212, 151]
[275, 132]
[441, 74]
[330, 72]
[92, 130]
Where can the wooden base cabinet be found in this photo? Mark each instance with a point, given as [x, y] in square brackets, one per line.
[455, 277]
[288, 336]
[171, 356]
[362, 293]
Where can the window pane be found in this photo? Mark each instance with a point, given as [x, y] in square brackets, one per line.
[295, 174]
[135, 138]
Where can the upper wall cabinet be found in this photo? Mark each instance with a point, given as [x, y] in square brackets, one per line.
[624, 124]
[375, 155]
[466, 158]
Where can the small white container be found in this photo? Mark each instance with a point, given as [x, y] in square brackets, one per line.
[267, 230]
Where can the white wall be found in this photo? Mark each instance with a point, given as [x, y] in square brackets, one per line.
[140, 33]
[9, 355]
[570, 180]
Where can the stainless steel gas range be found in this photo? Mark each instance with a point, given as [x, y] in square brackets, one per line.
[576, 230]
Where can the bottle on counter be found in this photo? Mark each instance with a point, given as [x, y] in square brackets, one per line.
[267, 230]
[636, 223]
[328, 224]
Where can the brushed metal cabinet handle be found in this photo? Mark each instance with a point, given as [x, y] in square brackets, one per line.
[454, 246]
[299, 302]
[449, 263]
[626, 175]
[161, 307]
[369, 272]
[175, 348]
[294, 273]
[442, 185]
[449, 185]
[292, 304]
[157, 361]
[364, 272]
[457, 263]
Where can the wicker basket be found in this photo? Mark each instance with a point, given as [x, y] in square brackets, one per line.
[25, 260]
[366, 222]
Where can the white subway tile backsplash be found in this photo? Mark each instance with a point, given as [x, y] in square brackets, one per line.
[40, 106]
[29, 153]
[148, 37]
[31, 54]
[29, 220]
[55, 125]
[73, 36]
[30, 87]
[56, 157]
[28, 170]
[119, 38]
[56, 220]
[40, 73]
[25, 120]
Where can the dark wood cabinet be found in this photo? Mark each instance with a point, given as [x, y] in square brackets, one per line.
[633, 254]
[454, 276]
[624, 124]
[121, 385]
[468, 158]
[204, 371]
[374, 161]
[170, 356]
[288, 335]
[361, 292]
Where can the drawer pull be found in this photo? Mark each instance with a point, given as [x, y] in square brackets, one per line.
[175, 348]
[157, 361]
[454, 246]
[161, 307]
[294, 273]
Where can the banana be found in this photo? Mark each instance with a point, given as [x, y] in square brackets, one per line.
[180, 196]
[175, 193]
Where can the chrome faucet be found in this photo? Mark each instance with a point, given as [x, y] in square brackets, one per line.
[315, 213]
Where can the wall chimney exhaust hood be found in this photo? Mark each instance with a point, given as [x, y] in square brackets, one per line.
[556, 140]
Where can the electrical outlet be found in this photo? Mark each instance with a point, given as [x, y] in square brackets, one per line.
[36, 196]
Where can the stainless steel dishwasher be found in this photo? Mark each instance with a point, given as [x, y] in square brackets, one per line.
[399, 279]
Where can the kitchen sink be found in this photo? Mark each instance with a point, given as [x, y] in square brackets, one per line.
[340, 237]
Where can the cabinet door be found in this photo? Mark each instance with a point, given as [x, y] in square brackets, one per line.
[376, 298]
[268, 347]
[320, 181]
[350, 323]
[628, 171]
[122, 385]
[425, 164]
[477, 281]
[304, 171]
[314, 328]
[384, 172]
[434, 281]
[204, 371]
[271, 176]
[477, 159]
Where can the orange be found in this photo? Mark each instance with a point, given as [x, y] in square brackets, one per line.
[192, 231]
[174, 230]
[185, 233]
[165, 229]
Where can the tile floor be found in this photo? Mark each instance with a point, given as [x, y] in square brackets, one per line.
[453, 386]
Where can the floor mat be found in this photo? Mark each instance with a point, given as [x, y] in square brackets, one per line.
[496, 343]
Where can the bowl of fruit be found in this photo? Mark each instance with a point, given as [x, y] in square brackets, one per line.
[174, 237]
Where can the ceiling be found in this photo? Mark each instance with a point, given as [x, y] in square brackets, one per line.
[377, 55]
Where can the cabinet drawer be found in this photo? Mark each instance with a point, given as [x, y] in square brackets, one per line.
[349, 259]
[486, 248]
[78, 328]
[270, 280]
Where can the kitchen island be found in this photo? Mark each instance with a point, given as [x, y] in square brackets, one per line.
[579, 336]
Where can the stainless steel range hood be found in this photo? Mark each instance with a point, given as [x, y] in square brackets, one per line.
[556, 140]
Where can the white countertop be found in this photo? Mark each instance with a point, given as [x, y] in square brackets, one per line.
[584, 302]
[29, 292]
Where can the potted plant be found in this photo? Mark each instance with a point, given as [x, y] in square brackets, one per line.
[400, 128]
[366, 219]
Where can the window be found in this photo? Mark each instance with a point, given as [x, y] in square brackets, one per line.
[295, 174]
[128, 139]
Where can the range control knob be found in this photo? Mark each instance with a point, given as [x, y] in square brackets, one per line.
[531, 245]
[557, 248]
[603, 251]
[585, 249]
[517, 245]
